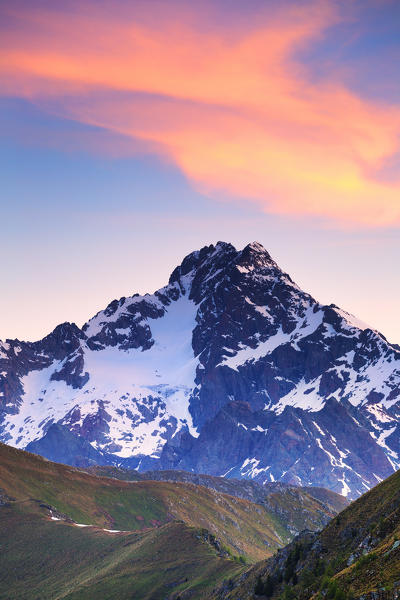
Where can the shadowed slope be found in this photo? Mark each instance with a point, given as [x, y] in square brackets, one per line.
[356, 554]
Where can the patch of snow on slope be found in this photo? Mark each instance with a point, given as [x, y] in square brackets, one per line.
[250, 468]
[4, 347]
[345, 488]
[319, 428]
[305, 327]
[375, 376]
[299, 398]
[379, 413]
[263, 310]
[391, 455]
[352, 320]
[143, 390]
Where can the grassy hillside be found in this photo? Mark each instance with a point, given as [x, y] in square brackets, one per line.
[242, 488]
[172, 538]
[301, 512]
[356, 554]
[245, 528]
[49, 560]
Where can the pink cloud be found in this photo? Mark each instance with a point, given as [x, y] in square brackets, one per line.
[234, 110]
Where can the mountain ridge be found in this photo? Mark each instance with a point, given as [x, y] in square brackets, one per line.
[231, 348]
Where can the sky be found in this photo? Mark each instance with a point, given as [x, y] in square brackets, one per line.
[133, 132]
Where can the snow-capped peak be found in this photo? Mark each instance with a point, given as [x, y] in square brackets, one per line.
[230, 364]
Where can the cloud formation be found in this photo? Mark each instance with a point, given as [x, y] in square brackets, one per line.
[234, 107]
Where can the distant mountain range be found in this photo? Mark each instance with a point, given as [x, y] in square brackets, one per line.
[230, 369]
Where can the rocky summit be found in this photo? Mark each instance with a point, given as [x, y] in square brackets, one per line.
[230, 369]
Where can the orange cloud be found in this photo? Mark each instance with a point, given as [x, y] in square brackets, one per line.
[236, 111]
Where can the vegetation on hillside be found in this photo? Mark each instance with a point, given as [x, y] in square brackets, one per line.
[356, 554]
[68, 534]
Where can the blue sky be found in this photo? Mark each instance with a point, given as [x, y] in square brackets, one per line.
[91, 211]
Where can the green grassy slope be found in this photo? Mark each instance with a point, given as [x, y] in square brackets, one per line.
[327, 497]
[295, 508]
[356, 554]
[175, 539]
[245, 528]
[49, 560]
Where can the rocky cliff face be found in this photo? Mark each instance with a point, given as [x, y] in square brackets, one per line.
[230, 369]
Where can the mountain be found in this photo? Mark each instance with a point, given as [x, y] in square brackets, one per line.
[295, 507]
[356, 556]
[241, 488]
[69, 534]
[231, 369]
